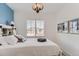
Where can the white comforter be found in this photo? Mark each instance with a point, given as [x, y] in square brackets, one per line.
[30, 48]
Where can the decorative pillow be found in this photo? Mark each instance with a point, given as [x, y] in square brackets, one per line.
[20, 38]
[41, 40]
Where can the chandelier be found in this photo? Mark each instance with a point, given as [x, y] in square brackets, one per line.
[37, 7]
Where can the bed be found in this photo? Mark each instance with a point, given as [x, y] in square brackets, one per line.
[31, 48]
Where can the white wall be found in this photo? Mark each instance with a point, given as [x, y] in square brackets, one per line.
[69, 42]
[50, 23]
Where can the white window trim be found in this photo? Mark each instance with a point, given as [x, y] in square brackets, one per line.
[35, 31]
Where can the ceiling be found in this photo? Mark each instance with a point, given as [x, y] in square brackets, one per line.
[49, 8]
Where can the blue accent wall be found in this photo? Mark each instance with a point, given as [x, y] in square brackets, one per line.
[6, 14]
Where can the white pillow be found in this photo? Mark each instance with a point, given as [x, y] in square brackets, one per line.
[11, 39]
[2, 41]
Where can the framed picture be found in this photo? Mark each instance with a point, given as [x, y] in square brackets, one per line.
[63, 27]
[66, 27]
[78, 25]
[60, 27]
[74, 26]
[71, 26]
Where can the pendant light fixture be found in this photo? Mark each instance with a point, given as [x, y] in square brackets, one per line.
[37, 7]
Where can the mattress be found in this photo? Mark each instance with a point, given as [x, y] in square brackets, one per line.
[31, 48]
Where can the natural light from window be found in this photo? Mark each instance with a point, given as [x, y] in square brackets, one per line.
[35, 28]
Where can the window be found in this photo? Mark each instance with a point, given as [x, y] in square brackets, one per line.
[30, 28]
[35, 28]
